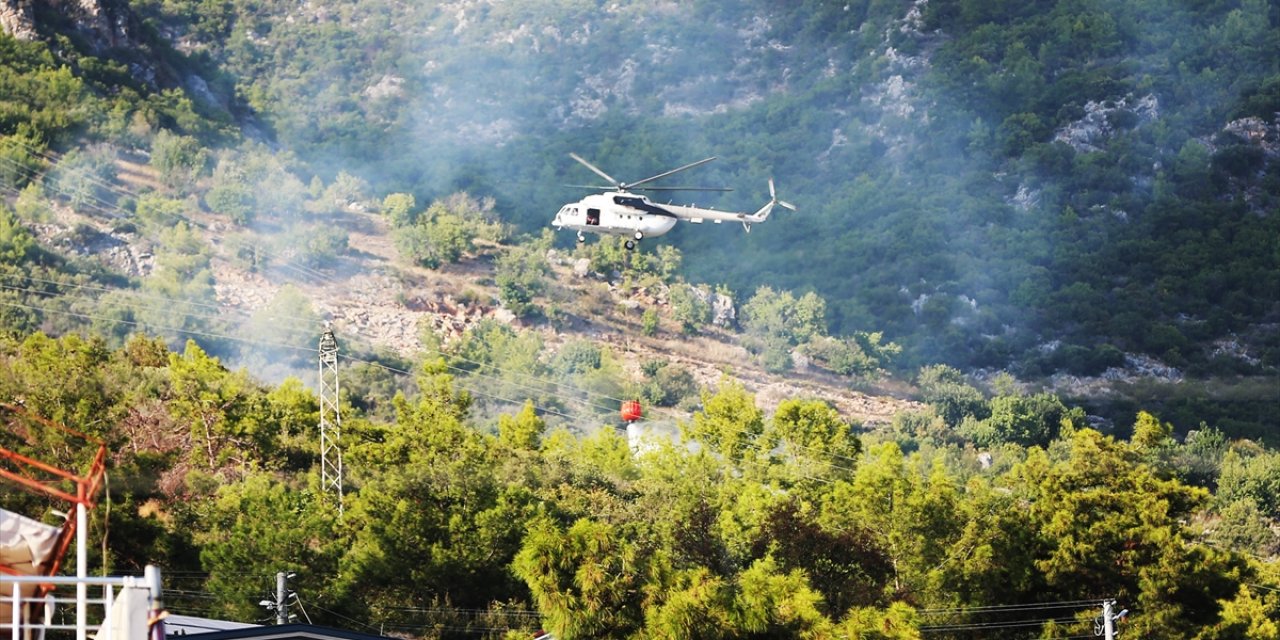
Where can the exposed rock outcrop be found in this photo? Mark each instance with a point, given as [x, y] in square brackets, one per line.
[1257, 132]
[723, 311]
[104, 24]
[1101, 119]
[101, 26]
[17, 18]
[107, 24]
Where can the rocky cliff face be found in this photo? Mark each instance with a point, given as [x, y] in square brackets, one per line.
[100, 28]
[17, 18]
[108, 24]
[104, 24]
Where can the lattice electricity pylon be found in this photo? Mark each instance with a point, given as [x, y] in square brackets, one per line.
[330, 419]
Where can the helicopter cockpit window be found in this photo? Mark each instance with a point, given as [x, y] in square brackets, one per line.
[593, 216]
[626, 201]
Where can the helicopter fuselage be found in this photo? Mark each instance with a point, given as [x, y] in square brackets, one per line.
[620, 212]
[615, 213]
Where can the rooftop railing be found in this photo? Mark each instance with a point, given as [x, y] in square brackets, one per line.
[45, 617]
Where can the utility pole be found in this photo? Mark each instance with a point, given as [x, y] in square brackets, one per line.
[282, 598]
[1107, 628]
[330, 419]
[281, 604]
[1108, 624]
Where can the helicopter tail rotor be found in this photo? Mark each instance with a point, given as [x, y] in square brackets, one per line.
[763, 213]
[773, 198]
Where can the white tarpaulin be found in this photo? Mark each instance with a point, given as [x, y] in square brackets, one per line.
[127, 619]
[25, 541]
[26, 545]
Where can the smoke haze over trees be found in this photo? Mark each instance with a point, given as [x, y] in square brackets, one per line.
[992, 194]
[1050, 185]
[1049, 188]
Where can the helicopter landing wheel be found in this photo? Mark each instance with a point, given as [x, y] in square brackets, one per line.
[581, 238]
[639, 236]
[630, 245]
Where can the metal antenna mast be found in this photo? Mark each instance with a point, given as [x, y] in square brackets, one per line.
[330, 420]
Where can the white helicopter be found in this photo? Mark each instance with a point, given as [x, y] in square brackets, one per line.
[621, 213]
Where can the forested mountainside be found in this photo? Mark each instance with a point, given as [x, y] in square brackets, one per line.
[1045, 185]
[990, 194]
[1049, 187]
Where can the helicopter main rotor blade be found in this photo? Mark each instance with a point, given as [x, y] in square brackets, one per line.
[684, 189]
[596, 170]
[667, 173]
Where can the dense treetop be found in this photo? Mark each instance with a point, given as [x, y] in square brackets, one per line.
[746, 524]
[1039, 188]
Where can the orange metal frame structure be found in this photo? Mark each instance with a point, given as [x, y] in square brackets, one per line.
[45, 479]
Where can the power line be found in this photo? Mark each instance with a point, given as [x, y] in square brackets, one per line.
[540, 388]
[345, 618]
[1058, 604]
[987, 610]
[461, 381]
[478, 392]
[112, 210]
[216, 311]
[174, 575]
[108, 302]
[91, 178]
[465, 611]
[986, 626]
[208, 334]
[460, 370]
[141, 324]
[928, 628]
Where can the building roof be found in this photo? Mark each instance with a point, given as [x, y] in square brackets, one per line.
[180, 625]
[267, 632]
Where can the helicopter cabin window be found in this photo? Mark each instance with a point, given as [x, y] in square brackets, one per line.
[593, 216]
